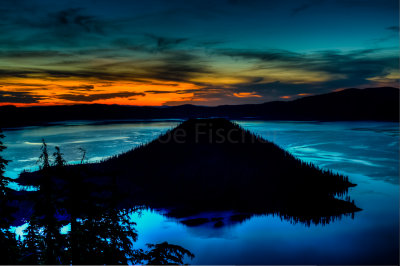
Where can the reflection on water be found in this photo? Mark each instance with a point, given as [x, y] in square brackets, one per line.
[365, 151]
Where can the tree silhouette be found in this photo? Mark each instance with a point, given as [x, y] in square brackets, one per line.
[5, 208]
[82, 209]
[101, 232]
[33, 245]
[8, 242]
[58, 158]
[44, 157]
[83, 151]
[165, 253]
[46, 209]
[9, 247]
[104, 235]
[3, 163]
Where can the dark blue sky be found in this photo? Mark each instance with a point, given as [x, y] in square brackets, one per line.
[200, 52]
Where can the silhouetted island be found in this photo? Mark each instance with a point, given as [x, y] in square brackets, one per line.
[378, 104]
[207, 165]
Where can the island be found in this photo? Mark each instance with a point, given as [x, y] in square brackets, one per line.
[203, 166]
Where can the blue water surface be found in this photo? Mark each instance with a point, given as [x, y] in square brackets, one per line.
[368, 152]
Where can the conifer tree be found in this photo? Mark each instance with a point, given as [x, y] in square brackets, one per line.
[76, 205]
[44, 157]
[8, 241]
[6, 210]
[33, 245]
[58, 158]
[165, 253]
[83, 151]
[104, 235]
[46, 208]
[4, 181]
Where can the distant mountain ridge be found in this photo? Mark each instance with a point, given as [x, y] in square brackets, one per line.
[378, 104]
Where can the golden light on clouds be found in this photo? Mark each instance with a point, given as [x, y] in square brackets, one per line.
[66, 91]
[172, 79]
[246, 95]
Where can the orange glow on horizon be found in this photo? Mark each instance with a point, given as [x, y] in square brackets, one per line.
[47, 92]
[246, 95]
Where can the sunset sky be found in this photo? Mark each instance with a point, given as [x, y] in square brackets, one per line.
[199, 52]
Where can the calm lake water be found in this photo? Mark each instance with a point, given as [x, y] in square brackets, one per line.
[368, 152]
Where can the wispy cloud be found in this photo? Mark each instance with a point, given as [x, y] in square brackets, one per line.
[354, 67]
[95, 97]
[394, 28]
[203, 52]
[20, 97]
[164, 43]
[305, 6]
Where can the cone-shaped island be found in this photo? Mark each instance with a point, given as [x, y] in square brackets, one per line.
[206, 165]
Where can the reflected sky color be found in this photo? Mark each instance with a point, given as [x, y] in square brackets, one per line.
[365, 151]
[200, 51]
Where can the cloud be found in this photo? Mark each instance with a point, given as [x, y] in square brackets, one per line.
[24, 86]
[304, 7]
[172, 66]
[376, 5]
[181, 42]
[74, 17]
[163, 43]
[159, 92]
[100, 96]
[274, 90]
[176, 66]
[355, 67]
[52, 27]
[394, 28]
[265, 55]
[176, 72]
[31, 54]
[80, 88]
[246, 94]
[4, 73]
[19, 97]
[217, 96]
[340, 69]
[202, 92]
[44, 74]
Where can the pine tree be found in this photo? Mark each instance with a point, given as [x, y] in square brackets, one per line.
[44, 157]
[103, 235]
[58, 158]
[165, 253]
[46, 209]
[33, 245]
[4, 181]
[83, 151]
[8, 242]
[9, 248]
[77, 190]
[5, 208]
[120, 230]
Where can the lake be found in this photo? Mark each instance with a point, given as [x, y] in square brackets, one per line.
[367, 152]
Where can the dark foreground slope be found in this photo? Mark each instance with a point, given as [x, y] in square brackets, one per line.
[212, 165]
[379, 104]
